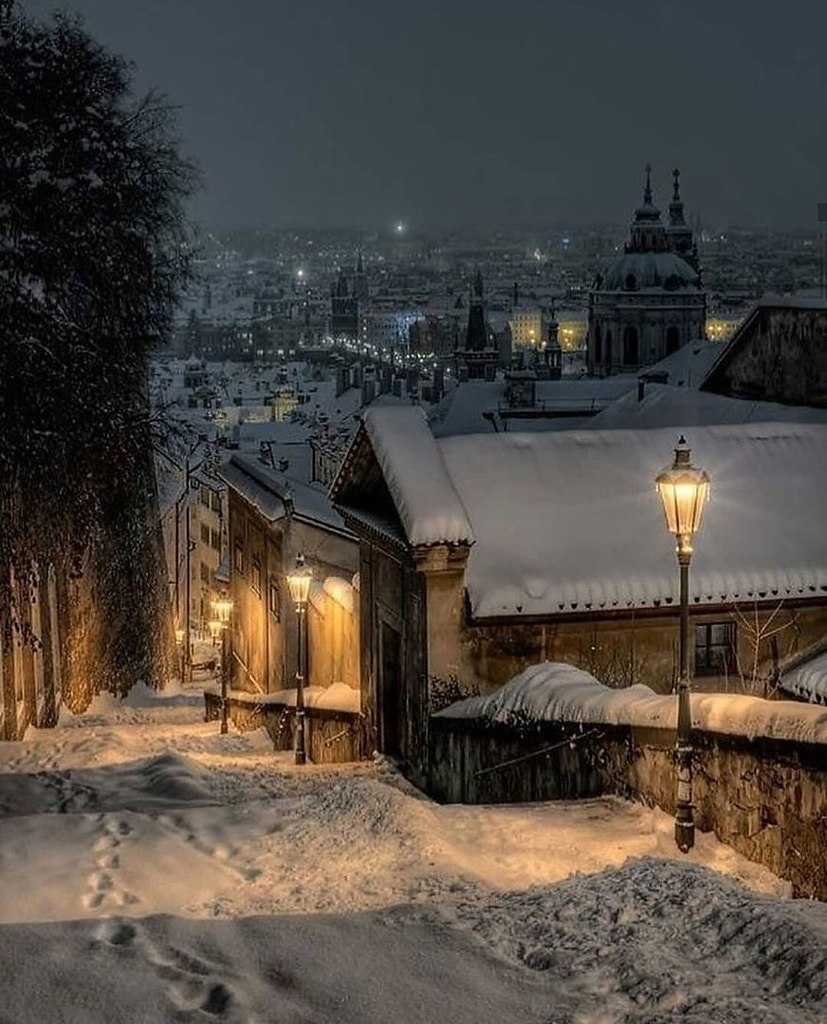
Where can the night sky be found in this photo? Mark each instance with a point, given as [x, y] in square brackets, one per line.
[450, 112]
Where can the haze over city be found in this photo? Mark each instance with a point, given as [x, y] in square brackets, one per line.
[359, 114]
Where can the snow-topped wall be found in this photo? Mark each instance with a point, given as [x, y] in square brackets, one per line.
[554, 732]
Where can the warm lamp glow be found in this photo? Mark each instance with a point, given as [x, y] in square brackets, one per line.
[299, 582]
[179, 636]
[222, 608]
[683, 490]
[216, 627]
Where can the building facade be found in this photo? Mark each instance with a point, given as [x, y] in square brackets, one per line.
[271, 520]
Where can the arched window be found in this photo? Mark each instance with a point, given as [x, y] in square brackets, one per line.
[631, 283]
[598, 345]
[630, 346]
[673, 340]
[608, 356]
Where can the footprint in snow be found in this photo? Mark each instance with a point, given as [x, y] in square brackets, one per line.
[117, 933]
[102, 884]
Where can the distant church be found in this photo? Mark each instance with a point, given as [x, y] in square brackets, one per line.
[344, 303]
[650, 301]
[479, 357]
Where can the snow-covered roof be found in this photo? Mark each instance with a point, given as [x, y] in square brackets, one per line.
[689, 365]
[556, 692]
[426, 501]
[667, 405]
[269, 490]
[465, 408]
[570, 522]
[808, 680]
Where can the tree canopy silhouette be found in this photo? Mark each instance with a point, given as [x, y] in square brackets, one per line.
[93, 247]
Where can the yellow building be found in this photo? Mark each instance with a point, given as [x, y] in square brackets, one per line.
[529, 326]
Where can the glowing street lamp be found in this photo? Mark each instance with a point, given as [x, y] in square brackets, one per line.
[222, 609]
[683, 490]
[299, 581]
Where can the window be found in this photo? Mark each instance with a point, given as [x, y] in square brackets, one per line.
[238, 557]
[256, 576]
[216, 502]
[274, 600]
[205, 534]
[215, 539]
[205, 573]
[204, 495]
[714, 648]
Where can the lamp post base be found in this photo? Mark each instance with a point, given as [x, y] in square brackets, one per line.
[684, 831]
[301, 756]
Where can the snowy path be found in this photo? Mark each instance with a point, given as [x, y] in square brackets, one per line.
[153, 870]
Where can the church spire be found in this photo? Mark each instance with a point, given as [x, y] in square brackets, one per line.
[476, 336]
[676, 218]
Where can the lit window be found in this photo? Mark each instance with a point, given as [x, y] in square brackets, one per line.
[238, 557]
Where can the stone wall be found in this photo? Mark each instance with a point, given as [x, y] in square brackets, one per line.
[332, 737]
[765, 798]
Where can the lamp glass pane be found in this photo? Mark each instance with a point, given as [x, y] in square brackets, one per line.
[222, 609]
[299, 583]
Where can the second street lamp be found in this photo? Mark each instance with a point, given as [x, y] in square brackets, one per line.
[683, 491]
[222, 609]
[299, 583]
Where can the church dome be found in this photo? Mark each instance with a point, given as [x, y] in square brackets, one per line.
[646, 270]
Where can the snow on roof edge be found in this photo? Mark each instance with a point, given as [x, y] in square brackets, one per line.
[408, 454]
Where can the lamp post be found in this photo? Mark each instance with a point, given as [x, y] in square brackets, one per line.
[179, 641]
[222, 609]
[299, 583]
[683, 491]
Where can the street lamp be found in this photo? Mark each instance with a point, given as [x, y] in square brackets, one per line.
[222, 609]
[179, 640]
[299, 583]
[683, 490]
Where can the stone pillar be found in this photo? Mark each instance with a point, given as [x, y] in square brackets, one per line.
[444, 570]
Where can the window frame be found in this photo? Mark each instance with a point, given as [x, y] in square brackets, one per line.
[705, 646]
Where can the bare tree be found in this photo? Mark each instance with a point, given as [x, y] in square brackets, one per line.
[759, 632]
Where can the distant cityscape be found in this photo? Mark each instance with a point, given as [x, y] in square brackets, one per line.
[261, 294]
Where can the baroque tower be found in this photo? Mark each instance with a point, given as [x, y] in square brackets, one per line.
[650, 301]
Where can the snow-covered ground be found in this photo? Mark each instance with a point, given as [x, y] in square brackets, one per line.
[152, 870]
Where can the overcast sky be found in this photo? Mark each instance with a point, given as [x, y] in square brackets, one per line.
[450, 112]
